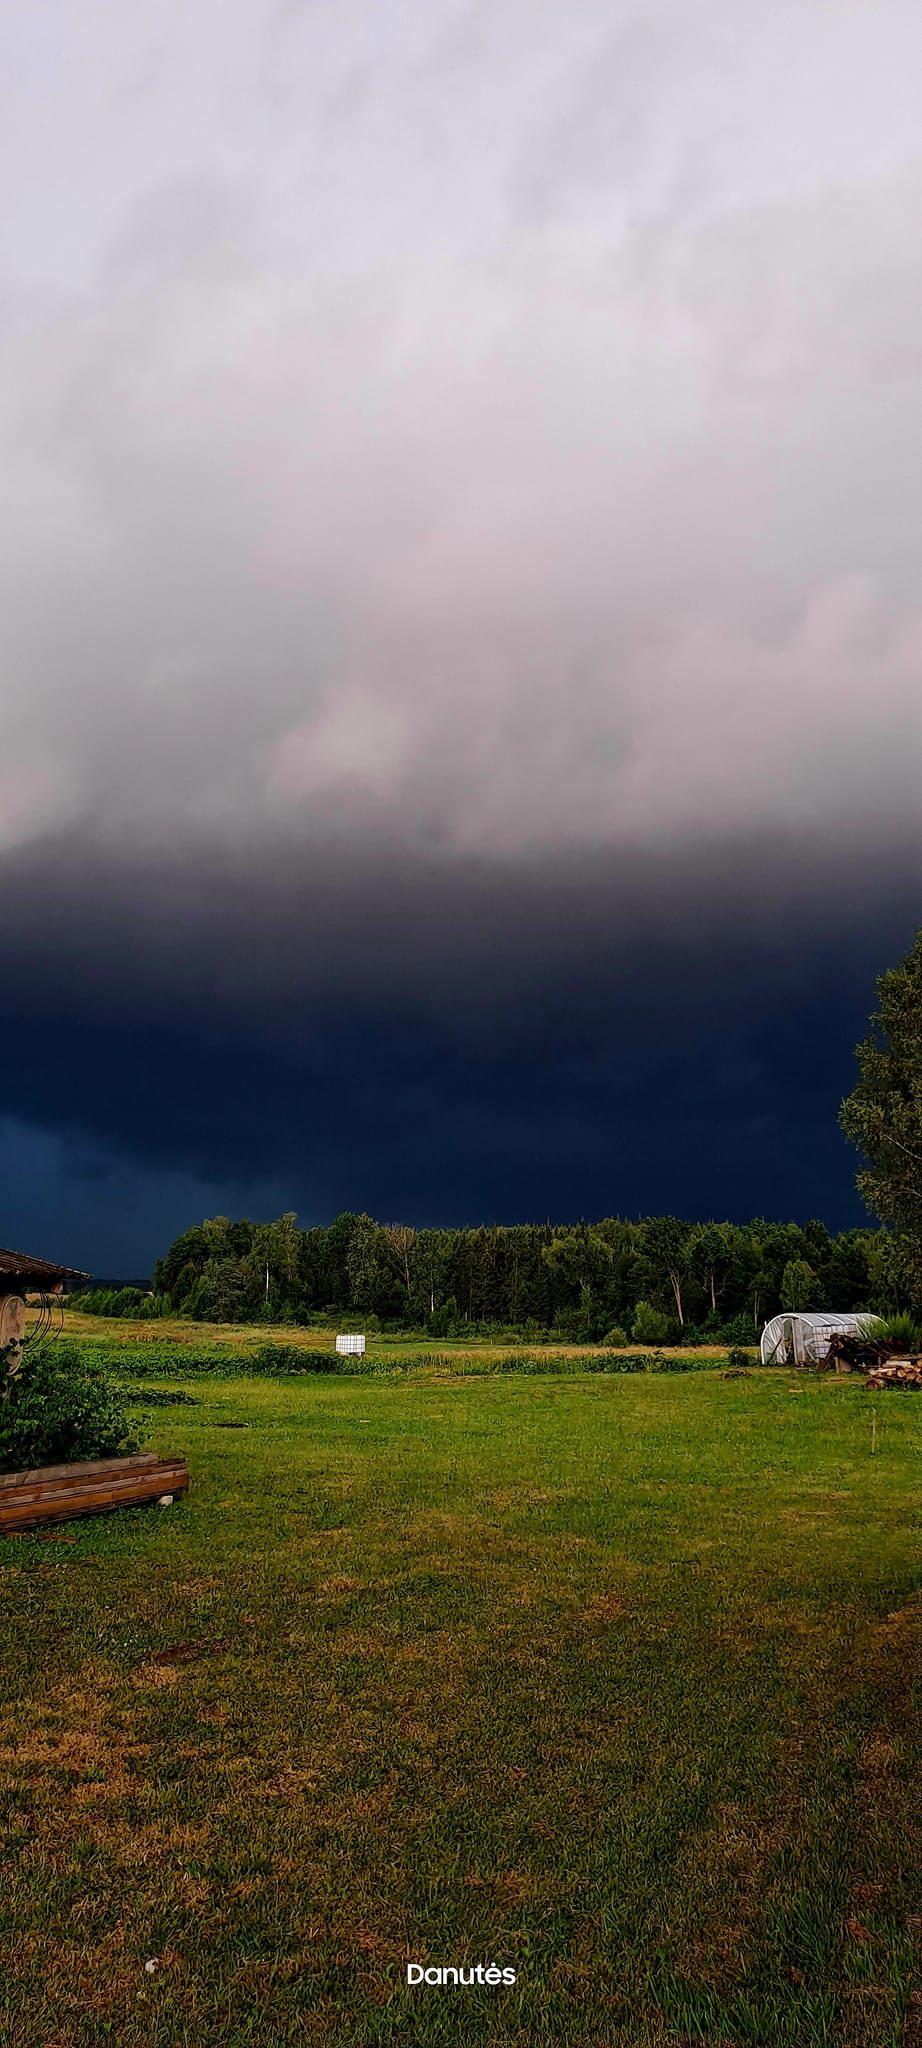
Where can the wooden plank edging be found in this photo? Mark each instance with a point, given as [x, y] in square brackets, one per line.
[57, 1493]
[77, 1471]
[160, 1478]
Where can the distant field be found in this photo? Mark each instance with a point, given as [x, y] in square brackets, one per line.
[614, 1681]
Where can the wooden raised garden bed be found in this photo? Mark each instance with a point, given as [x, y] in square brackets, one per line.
[55, 1493]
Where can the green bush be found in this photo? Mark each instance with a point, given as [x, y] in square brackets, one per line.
[597, 1361]
[901, 1329]
[158, 1358]
[739, 1330]
[650, 1325]
[655, 1361]
[59, 1409]
[136, 1302]
[277, 1360]
[616, 1339]
[640, 1361]
[520, 1361]
[738, 1358]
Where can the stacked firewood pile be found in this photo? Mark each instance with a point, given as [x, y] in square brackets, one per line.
[875, 1356]
[896, 1372]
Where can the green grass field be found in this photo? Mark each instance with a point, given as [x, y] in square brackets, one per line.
[613, 1681]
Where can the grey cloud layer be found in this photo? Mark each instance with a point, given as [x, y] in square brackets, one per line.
[470, 436]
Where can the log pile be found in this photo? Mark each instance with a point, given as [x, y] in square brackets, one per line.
[877, 1358]
[896, 1372]
[849, 1353]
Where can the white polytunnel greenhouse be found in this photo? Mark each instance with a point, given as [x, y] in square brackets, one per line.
[799, 1339]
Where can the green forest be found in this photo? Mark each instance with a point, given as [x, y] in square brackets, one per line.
[657, 1280]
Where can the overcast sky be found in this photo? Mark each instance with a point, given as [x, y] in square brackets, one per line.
[460, 632]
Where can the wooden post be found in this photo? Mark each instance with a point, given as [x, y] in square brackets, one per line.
[12, 1332]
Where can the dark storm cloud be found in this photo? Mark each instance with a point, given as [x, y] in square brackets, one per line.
[460, 646]
[452, 1045]
[261, 940]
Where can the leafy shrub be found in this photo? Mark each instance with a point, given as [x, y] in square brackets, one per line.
[615, 1339]
[135, 1302]
[519, 1361]
[739, 1330]
[443, 1319]
[738, 1358]
[276, 1360]
[901, 1329]
[171, 1358]
[650, 1325]
[59, 1409]
[157, 1358]
[654, 1361]
[639, 1361]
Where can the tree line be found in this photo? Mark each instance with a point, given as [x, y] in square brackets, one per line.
[655, 1280]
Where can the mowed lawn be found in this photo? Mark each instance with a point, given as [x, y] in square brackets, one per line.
[611, 1681]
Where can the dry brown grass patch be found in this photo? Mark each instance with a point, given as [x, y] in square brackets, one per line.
[900, 1626]
[161, 1677]
[605, 1607]
[878, 1755]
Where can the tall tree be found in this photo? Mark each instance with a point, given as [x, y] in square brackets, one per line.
[364, 1262]
[711, 1249]
[665, 1241]
[284, 1250]
[799, 1286]
[883, 1115]
[399, 1239]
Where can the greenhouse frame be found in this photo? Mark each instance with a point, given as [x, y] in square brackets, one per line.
[798, 1338]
